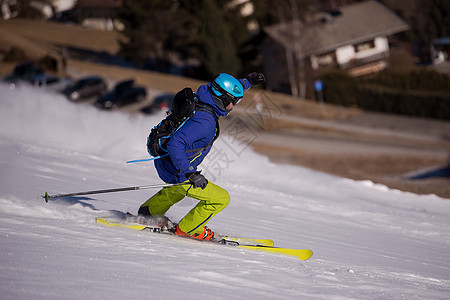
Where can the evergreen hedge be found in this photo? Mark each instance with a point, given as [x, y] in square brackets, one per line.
[425, 104]
[420, 93]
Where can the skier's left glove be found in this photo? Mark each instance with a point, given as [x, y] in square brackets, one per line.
[197, 180]
[256, 78]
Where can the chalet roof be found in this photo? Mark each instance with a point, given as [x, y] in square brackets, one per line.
[442, 41]
[356, 23]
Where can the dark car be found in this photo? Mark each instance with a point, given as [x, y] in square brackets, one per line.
[124, 93]
[23, 72]
[162, 102]
[86, 88]
[50, 82]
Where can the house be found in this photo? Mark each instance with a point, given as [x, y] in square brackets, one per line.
[441, 50]
[9, 9]
[99, 14]
[353, 38]
[45, 9]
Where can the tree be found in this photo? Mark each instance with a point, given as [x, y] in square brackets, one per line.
[218, 51]
[162, 31]
[294, 10]
[147, 26]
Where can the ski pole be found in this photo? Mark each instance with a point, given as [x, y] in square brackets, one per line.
[123, 189]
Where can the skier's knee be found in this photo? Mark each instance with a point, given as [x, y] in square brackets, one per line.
[225, 198]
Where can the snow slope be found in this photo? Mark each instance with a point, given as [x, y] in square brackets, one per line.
[369, 242]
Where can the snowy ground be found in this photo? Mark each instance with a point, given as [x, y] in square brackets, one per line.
[369, 242]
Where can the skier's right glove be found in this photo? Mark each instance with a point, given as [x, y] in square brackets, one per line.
[197, 180]
[256, 78]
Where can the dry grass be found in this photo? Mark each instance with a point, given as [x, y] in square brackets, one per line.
[387, 169]
[41, 38]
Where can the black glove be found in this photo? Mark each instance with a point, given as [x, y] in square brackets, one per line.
[256, 78]
[197, 179]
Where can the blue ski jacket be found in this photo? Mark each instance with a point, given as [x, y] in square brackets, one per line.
[196, 133]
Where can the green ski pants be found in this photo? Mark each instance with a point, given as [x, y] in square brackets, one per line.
[211, 201]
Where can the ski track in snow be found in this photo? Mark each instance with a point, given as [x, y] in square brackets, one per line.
[369, 242]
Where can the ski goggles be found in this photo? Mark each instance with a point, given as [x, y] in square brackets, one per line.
[225, 96]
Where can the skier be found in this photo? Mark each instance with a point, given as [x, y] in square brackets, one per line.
[222, 94]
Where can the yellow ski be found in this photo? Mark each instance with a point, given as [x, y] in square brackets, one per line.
[115, 222]
[250, 242]
[120, 224]
[302, 254]
[263, 245]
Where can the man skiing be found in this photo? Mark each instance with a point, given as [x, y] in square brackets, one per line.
[222, 94]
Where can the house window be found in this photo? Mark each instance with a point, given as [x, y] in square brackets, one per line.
[364, 46]
[326, 59]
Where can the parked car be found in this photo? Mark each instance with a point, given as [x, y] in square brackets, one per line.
[162, 102]
[124, 93]
[49, 82]
[86, 88]
[23, 72]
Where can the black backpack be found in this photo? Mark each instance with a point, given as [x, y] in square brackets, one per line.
[185, 104]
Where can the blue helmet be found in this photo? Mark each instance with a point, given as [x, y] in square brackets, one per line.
[227, 89]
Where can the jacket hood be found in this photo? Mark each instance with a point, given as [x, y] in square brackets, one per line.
[205, 96]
